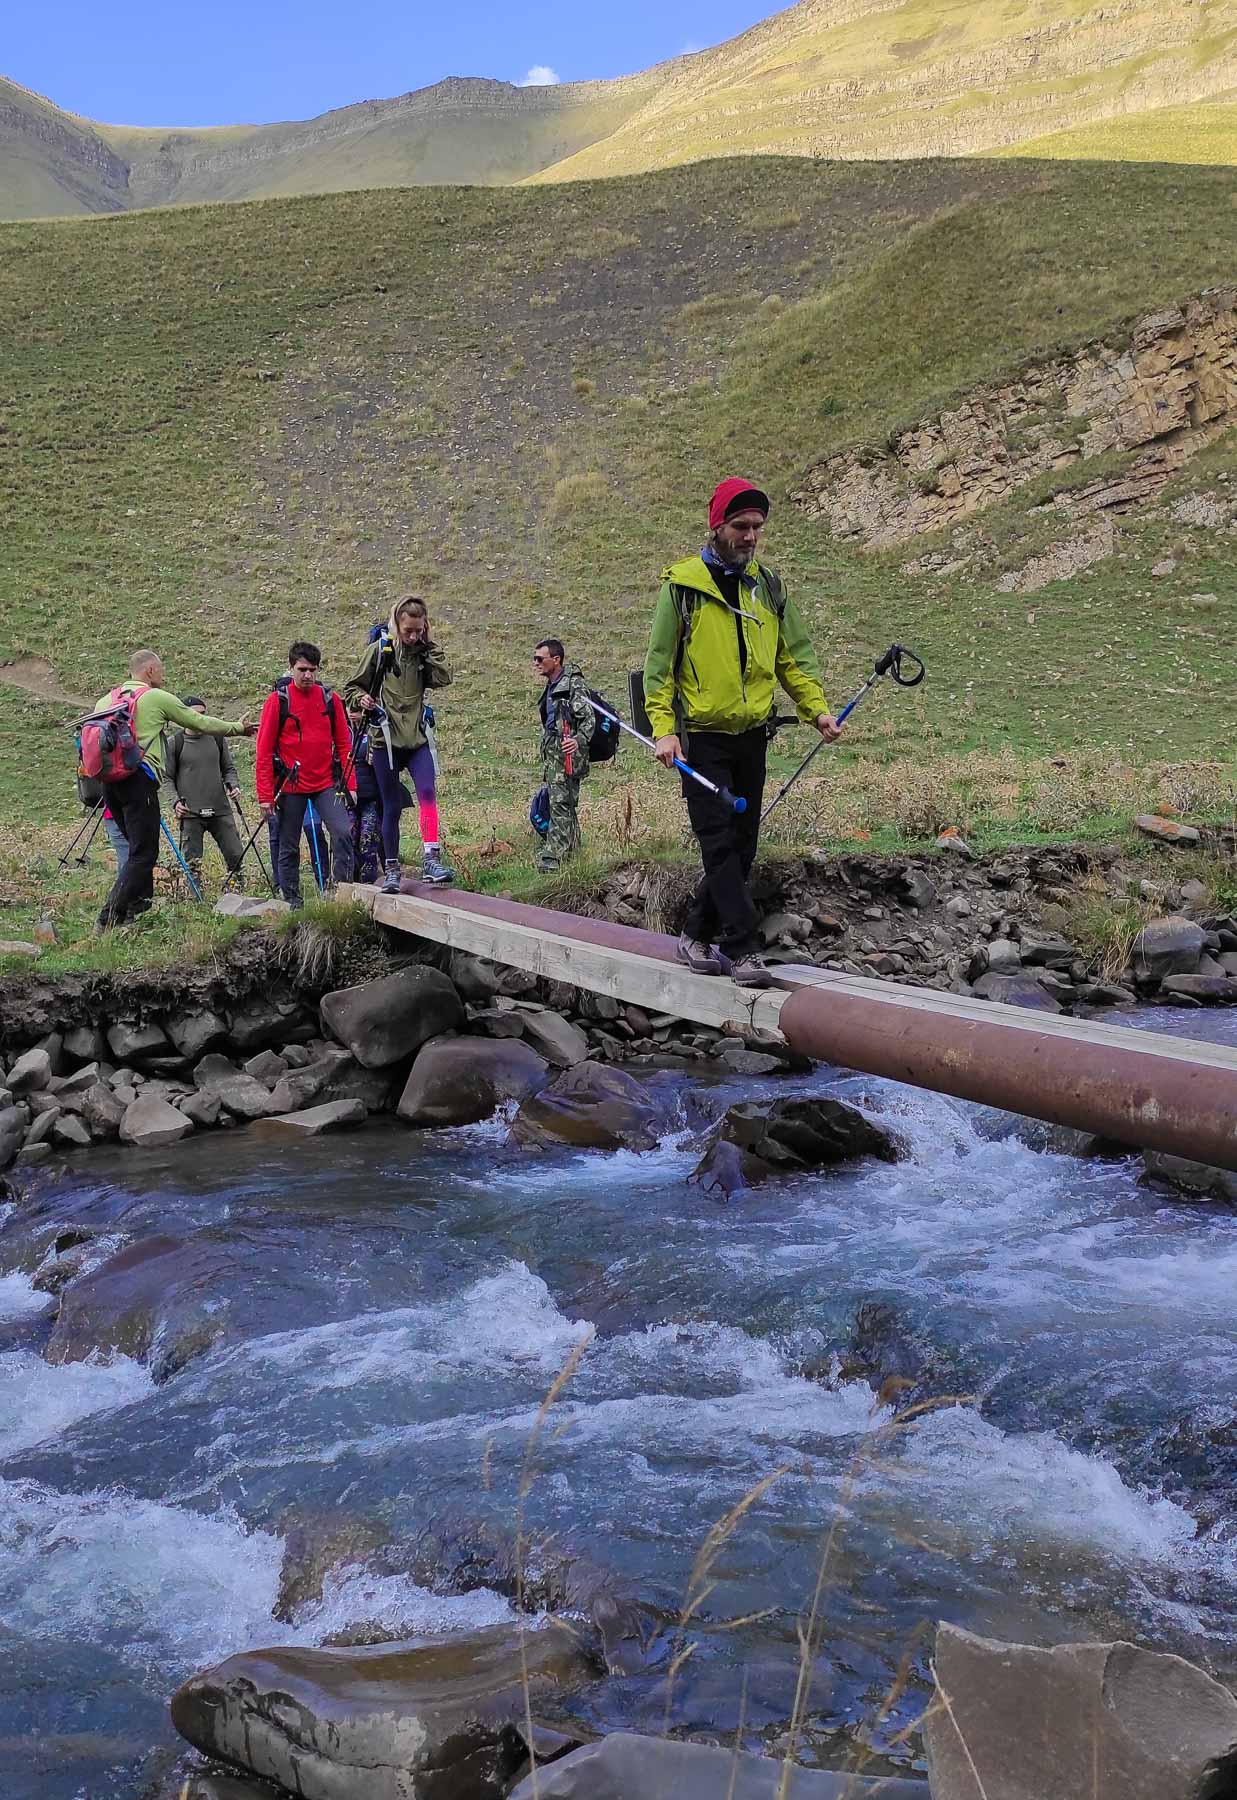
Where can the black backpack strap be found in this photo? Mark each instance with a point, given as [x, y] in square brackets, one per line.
[776, 587]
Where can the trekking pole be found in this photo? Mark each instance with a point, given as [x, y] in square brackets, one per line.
[314, 848]
[87, 829]
[195, 889]
[240, 813]
[250, 843]
[889, 664]
[735, 801]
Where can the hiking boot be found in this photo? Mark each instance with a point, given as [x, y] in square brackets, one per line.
[701, 958]
[751, 971]
[435, 869]
[391, 882]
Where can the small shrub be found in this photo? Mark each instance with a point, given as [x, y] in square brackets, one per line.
[578, 493]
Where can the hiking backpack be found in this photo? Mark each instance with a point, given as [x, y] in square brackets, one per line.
[606, 734]
[107, 743]
[285, 713]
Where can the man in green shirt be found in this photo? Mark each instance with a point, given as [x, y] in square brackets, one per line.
[134, 802]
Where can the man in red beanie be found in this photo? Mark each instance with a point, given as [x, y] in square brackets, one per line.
[724, 633]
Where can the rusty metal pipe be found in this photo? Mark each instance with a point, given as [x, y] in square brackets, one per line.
[1133, 1087]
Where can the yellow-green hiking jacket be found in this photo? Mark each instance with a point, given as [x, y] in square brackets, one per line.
[693, 679]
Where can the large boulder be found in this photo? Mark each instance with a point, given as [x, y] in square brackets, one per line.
[150, 1123]
[757, 1139]
[440, 1719]
[162, 1300]
[384, 1021]
[1015, 990]
[623, 1766]
[480, 980]
[591, 1107]
[1104, 1721]
[242, 1095]
[85, 1044]
[1171, 946]
[100, 1109]
[458, 1081]
[196, 1031]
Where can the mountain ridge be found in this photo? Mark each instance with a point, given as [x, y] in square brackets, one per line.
[845, 79]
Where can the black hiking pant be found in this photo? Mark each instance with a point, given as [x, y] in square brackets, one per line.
[134, 804]
[721, 911]
[330, 811]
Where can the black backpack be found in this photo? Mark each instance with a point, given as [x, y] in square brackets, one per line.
[606, 734]
[285, 713]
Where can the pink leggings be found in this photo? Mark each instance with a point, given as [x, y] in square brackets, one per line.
[420, 763]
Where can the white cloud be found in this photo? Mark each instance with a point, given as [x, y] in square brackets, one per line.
[540, 75]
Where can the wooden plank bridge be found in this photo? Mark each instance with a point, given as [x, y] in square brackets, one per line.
[1138, 1088]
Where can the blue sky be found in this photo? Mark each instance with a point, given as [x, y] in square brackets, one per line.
[145, 62]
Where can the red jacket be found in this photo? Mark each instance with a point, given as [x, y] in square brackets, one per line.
[312, 735]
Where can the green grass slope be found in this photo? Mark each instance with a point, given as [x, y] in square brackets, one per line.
[1200, 133]
[227, 426]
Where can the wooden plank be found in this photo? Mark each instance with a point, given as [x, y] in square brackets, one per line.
[965, 1007]
[656, 986]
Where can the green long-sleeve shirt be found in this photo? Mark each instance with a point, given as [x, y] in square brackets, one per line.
[156, 710]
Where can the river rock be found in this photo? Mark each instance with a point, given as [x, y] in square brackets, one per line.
[1196, 1180]
[203, 1107]
[333, 1115]
[480, 980]
[129, 1042]
[557, 1039]
[757, 1139]
[264, 1021]
[151, 1122]
[1016, 990]
[69, 1131]
[53, 1044]
[196, 1032]
[101, 1110]
[496, 1023]
[157, 1300]
[40, 1127]
[78, 1082]
[241, 1094]
[918, 889]
[1169, 946]
[459, 1081]
[1216, 988]
[266, 1066]
[623, 1766]
[439, 1719]
[85, 1044]
[32, 1153]
[384, 1021]
[1106, 1720]
[13, 1123]
[591, 1107]
[30, 1073]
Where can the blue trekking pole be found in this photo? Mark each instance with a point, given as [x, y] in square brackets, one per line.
[163, 826]
[313, 844]
[735, 801]
[889, 664]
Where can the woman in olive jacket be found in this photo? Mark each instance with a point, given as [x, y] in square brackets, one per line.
[400, 666]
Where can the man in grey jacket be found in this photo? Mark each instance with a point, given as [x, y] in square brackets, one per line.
[203, 774]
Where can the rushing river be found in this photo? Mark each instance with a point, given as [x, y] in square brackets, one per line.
[402, 1303]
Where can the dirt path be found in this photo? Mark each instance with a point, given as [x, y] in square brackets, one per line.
[38, 677]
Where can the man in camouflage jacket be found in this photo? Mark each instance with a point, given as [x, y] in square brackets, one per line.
[567, 721]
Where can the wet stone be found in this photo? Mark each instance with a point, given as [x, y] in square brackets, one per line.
[382, 1022]
[440, 1717]
[623, 1766]
[591, 1107]
[150, 1123]
[460, 1081]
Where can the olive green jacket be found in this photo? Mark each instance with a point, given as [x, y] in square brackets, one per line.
[399, 680]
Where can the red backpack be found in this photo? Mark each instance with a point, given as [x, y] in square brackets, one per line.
[107, 742]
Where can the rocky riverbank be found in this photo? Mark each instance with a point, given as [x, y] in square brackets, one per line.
[281, 1034]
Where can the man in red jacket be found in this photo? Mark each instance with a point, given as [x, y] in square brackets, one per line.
[305, 724]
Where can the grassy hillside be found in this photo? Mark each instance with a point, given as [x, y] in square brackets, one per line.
[231, 425]
[833, 78]
[1181, 134]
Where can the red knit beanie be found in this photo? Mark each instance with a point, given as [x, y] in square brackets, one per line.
[732, 496]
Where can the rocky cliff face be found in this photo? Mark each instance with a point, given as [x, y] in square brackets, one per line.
[67, 153]
[1163, 395]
